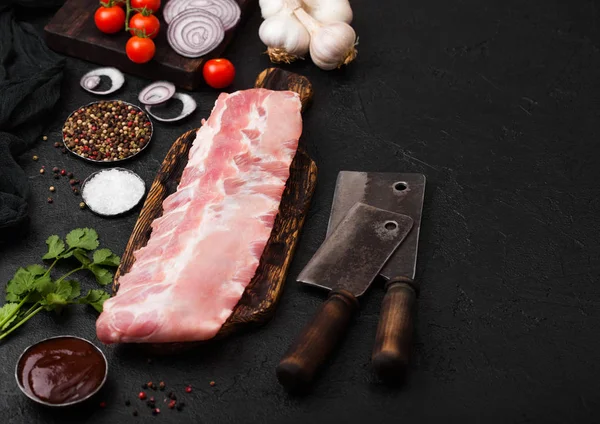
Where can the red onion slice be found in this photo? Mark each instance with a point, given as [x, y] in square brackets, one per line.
[91, 80]
[228, 11]
[189, 106]
[175, 7]
[156, 93]
[195, 32]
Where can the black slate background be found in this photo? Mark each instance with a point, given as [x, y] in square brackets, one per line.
[498, 103]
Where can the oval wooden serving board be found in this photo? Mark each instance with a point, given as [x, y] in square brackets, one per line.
[259, 300]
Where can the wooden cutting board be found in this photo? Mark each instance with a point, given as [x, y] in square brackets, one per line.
[259, 300]
[72, 31]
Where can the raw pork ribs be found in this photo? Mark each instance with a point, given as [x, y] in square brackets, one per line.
[205, 248]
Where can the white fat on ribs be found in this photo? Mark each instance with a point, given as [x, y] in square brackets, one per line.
[205, 248]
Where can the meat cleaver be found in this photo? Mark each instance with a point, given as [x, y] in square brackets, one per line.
[401, 193]
[346, 263]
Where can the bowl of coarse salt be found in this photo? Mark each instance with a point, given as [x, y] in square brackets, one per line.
[113, 192]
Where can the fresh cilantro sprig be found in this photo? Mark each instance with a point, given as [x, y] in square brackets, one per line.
[80, 242]
[32, 289]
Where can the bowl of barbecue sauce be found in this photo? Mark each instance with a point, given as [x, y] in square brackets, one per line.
[61, 371]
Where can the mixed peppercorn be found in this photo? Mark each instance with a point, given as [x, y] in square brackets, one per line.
[170, 400]
[107, 131]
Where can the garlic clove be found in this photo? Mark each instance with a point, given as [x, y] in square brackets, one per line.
[285, 37]
[270, 8]
[327, 11]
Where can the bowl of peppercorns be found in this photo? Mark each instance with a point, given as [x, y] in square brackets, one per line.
[107, 131]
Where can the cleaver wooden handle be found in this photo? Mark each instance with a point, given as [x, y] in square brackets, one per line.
[394, 333]
[316, 341]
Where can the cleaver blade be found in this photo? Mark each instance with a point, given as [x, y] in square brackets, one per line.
[397, 192]
[353, 255]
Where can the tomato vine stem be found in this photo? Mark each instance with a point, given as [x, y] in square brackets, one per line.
[128, 10]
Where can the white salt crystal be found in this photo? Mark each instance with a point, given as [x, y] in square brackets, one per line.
[113, 191]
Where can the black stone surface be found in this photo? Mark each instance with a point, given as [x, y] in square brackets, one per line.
[498, 103]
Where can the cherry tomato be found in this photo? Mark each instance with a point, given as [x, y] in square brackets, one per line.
[218, 73]
[152, 5]
[148, 25]
[140, 50]
[109, 19]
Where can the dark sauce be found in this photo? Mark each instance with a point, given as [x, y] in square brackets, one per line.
[61, 370]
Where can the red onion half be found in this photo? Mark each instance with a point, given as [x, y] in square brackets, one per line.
[194, 33]
[228, 11]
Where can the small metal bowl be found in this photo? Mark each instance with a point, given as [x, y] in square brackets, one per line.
[60, 405]
[108, 162]
[83, 196]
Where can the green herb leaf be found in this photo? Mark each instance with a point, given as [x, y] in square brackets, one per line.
[84, 238]
[43, 285]
[11, 297]
[75, 289]
[106, 257]
[101, 255]
[20, 285]
[54, 300]
[103, 276]
[6, 311]
[81, 256]
[95, 298]
[39, 289]
[69, 289]
[36, 270]
[63, 289]
[55, 247]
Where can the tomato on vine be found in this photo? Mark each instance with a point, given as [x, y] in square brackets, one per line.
[140, 49]
[143, 23]
[109, 18]
[152, 5]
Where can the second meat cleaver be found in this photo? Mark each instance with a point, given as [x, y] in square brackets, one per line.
[401, 193]
[346, 263]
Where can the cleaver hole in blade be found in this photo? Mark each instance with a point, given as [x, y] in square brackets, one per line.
[389, 229]
[390, 225]
[400, 186]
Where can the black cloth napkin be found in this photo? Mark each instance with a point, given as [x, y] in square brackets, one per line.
[30, 78]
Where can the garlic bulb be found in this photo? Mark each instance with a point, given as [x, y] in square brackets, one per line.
[270, 8]
[285, 37]
[331, 44]
[326, 11]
